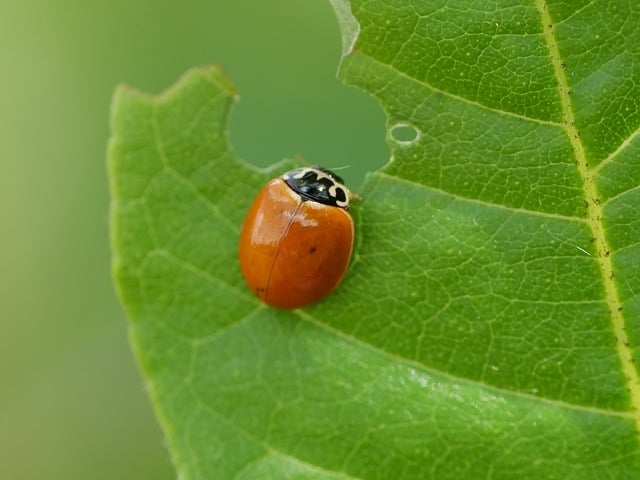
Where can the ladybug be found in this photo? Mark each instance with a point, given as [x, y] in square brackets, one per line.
[297, 238]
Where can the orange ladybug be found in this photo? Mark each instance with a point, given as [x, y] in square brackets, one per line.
[297, 238]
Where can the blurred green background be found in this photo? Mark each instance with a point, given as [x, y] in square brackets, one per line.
[72, 404]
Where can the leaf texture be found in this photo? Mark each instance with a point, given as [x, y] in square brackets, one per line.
[488, 325]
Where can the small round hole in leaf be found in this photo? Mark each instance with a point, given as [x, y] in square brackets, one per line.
[404, 133]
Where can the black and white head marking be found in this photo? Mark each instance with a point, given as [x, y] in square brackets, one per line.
[318, 184]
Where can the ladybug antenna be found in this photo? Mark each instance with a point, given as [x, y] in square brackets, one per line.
[339, 168]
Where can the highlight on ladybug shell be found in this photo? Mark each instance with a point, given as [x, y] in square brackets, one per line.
[297, 238]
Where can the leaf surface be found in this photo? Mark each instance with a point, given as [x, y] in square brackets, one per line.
[488, 324]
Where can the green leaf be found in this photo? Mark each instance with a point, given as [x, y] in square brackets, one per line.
[489, 322]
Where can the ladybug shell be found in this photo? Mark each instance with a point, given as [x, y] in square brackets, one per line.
[294, 252]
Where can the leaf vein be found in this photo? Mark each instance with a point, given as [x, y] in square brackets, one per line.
[186, 181]
[595, 216]
[192, 268]
[269, 448]
[422, 367]
[619, 195]
[627, 141]
[461, 99]
[555, 216]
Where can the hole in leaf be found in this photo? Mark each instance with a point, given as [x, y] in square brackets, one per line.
[404, 133]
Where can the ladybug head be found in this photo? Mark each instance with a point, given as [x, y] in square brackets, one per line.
[319, 185]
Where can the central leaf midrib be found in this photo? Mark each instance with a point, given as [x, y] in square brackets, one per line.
[595, 214]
